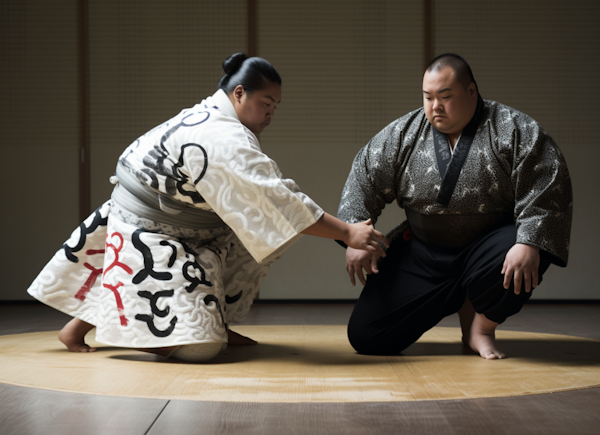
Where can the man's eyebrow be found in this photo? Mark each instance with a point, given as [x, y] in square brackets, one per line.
[272, 99]
[439, 92]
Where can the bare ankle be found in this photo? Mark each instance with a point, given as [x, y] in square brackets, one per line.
[483, 325]
[72, 335]
[482, 338]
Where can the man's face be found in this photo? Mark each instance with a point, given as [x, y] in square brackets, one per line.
[448, 105]
[257, 110]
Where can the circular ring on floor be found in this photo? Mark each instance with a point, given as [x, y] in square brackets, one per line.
[309, 363]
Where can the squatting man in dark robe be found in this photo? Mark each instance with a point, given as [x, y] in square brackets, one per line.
[488, 201]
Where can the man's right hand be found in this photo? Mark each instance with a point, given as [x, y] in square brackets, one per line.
[357, 260]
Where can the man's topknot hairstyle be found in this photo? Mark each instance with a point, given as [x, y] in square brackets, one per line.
[461, 68]
[253, 73]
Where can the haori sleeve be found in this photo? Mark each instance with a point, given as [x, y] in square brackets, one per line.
[370, 184]
[245, 188]
[543, 192]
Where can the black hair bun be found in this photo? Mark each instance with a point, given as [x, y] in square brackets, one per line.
[233, 63]
[252, 75]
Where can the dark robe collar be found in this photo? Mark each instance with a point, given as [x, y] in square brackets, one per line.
[450, 164]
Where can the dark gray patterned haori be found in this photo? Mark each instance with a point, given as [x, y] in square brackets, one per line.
[513, 168]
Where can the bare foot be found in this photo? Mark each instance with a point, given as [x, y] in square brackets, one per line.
[235, 339]
[481, 338]
[73, 333]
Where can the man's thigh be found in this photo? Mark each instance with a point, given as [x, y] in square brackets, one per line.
[482, 279]
[416, 287]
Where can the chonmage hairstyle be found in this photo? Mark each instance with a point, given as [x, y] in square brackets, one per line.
[252, 73]
[460, 67]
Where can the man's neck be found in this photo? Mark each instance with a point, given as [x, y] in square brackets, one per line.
[453, 139]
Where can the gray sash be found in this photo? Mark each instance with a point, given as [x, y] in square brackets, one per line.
[141, 200]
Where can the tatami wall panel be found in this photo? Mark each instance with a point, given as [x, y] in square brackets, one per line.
[38, 113]
[542, 58]
[349, 68]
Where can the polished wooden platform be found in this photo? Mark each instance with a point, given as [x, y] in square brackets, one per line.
[33, 411]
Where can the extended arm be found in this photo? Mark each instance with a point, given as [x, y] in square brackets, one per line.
[359, 236]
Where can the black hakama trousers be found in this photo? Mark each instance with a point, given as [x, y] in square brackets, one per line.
[419, 284]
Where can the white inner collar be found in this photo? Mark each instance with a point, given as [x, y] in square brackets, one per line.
[450, 146]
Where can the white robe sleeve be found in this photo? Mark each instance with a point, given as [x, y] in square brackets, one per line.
[246, 189]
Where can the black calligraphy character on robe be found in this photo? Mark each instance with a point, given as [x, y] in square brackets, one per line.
[149, 319]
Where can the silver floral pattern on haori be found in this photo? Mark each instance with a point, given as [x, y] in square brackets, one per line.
[513, 166]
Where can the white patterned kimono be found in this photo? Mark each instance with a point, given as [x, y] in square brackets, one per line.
[149, 283]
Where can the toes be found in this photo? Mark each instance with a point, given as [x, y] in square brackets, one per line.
[84, 348]
[493, 354]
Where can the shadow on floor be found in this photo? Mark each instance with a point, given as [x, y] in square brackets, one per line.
[559, 352]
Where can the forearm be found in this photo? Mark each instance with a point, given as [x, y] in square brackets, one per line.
[329, 227]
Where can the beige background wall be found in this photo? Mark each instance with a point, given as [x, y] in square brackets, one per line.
[348, 69]
[148, 61]
[38, 118]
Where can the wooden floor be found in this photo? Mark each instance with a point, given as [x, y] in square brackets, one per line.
[26, 411]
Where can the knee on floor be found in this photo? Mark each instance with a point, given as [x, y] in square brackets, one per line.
[197, 353]
[370, 345]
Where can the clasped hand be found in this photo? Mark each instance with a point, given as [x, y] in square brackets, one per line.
[363, 236]
[521, 265]
[363, 240]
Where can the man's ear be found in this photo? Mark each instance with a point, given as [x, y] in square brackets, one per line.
[238, 93]
[472, 89]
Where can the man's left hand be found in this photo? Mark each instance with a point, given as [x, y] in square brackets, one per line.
[521, 264]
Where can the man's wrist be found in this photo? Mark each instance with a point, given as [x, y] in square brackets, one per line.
[346, 233]
[529, 246]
